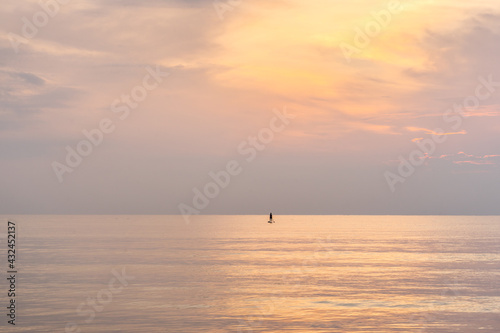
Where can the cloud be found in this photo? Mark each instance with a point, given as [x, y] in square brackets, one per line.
[11, 80]
[462, 52]
[22, 93]
[159, 3]
[228, 77]
[462, 158]
[428, 131]
[31, 78]
[454, 58]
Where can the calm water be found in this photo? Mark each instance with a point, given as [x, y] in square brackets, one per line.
[241, 274]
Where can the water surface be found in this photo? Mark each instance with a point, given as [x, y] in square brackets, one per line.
[241, 274]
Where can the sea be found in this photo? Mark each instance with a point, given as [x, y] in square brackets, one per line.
[131, 273]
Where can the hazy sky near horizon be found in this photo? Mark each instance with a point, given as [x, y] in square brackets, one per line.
[361, 101]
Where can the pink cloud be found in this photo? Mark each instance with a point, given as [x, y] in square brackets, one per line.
[462, 158]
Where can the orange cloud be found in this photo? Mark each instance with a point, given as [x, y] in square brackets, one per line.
[428, 131]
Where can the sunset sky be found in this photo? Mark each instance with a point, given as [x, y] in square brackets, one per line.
[365, 83]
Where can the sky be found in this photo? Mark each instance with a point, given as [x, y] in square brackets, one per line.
[250, 106]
